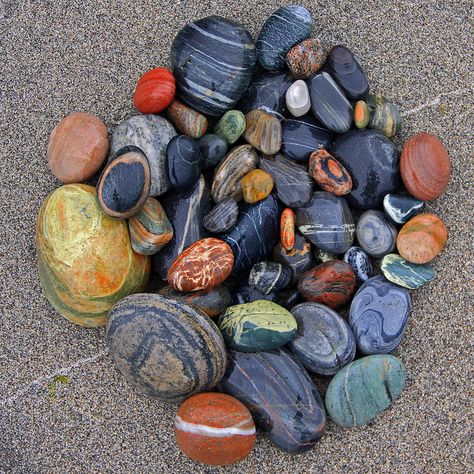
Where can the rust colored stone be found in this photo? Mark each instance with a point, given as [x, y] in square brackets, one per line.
[306, 58]
[256, 185]
[188, 121]
[329, 173]
[287, 229]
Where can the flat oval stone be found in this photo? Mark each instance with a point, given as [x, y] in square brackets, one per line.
[298, 259]
[330, 175]
[150, 229]
[202, 266]
[257, 326]
[124, 185]
[306, 58]
[324, 342]
[231, 126]
[155, 90]
[281, 396]
[425, 166]
[347, 72]
[287, 229]
[263, 131]
[255, 233]
[384, 115]
[213, 148]
[187, 120]
[286, 27]
[267, 91]
[82, 275]
[331, 283]
[222, 217]
[401, 208]
[361, 114]
[329, 104]
[256, 185]
[184, 161]
[327, 222]
[364, 389]
[422, 238]
[378, 315]
[373, 163]
[375, 233]
[77, 147]
[293, 184]
[214, 429]
[150, 133]
[360, 263]
[403, 273]
[297, 99]
[185, 210]
[302, 136]
[247, 294]
[213, 60]
[269, 276]
[212, 302]
[165, 348]
[226, 183]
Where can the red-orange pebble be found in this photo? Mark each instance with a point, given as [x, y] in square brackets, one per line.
[287, 229]
[155, 91]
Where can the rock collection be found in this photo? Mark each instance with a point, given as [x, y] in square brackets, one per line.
[251, 211]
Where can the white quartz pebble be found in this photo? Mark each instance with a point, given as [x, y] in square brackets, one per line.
[297, 98]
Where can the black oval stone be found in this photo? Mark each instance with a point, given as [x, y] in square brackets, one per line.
[184, 161]
[213, 148]
[222, 217]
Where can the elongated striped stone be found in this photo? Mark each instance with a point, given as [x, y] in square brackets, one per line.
[263, 131]
[165, 348]
[187, 120]
[222, 217]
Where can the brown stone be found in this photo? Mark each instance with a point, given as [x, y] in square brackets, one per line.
[256, 185]
[329, 173]
[263, 131]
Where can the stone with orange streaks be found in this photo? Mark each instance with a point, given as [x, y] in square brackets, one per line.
[215, 429]
[202, 266]
[287, 229]
[256, 185]
[187, 120]
[329, 173]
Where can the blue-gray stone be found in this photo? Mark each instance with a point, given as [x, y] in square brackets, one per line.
[360, 263]
[222, 217]
[403, 273]
[213, 149]
[375, 233]
[401, 208]
[184, 161]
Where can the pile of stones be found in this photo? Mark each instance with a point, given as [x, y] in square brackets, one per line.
[235, 200]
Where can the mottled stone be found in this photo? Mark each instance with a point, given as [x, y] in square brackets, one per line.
[298, 259]
[257, 326]
[330, 175]
[327, 222]
[184, 161]
[364, 389]
[155, 90]
[213, 60]
[375, 233]
[403, 273]
[165, 348]
[360, 263]
[77, 147]
[425, 166]
[286, 27]
[378, 315]
[287, 229]
[81, 274]
[297, 99]
[281, 396]
[324, 342]
[263, 131]
[372, 161]
[187, 120]
[227, 175]
[269, 276]
[422, 238]
[150, 133]
[401, 208]
[384, 115]
[329, 104]
[293, 184]
[331, 283]
[150, 230]
[214, 429]
[222, 217]
[302, 136]
[247, 294]
[361, 114]
[256, 185]
[231, 126]
[306, 58]
[213, 148]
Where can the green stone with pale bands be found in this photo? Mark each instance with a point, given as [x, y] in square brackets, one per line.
[384, 115]
[406, 274]
[231, 126]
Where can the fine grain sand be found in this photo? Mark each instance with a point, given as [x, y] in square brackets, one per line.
[60, 56]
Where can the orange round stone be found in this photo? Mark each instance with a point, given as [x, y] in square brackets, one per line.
[155, 91]
[214, 428]
[287, 229]
[77, 147]
[422, 238]
[256, 186]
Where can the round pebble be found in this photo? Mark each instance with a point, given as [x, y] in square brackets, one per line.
[375, 233]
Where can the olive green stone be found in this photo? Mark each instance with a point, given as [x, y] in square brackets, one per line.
[406, 274]
[364, 388]
[384, 115]
[258, 326]
[231, 126]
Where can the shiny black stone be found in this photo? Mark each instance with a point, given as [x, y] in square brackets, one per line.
[246, 294]
[184, 161]
[213, 148]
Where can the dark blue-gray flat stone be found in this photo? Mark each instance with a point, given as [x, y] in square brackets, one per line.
[184, 161]
[401, 208]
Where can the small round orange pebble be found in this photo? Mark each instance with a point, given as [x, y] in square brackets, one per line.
[287, 229]
[422, 238]
[155, 91]
[214, 428]
[256, 186]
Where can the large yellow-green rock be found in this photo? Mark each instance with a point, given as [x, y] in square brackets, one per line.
[85, 259]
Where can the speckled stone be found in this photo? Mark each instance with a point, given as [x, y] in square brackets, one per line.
[375, 233]
[165, 348]
[187, 120]
[281, 396]
[330, 175]
[231, 126]
[213, 60]
[150, 133]
[403, 273]
[306, 58]
[384, 115]
[360, 263]
[222, 216]
[401, 208]
[298, 259]
[324, 342]
[269, 276]
[263, 131]
[297, 99]
[286, 27]
[378, 315]
[184, 161]
[213, 148]
[364, 388]
[256, 185]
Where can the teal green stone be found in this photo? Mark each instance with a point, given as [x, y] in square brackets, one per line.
[231, 126]
[258, 326]
[364, 388]
[403, 273]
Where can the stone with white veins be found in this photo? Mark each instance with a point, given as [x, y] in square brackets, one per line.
[297, 98]
[401, 208]
[269, 276]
